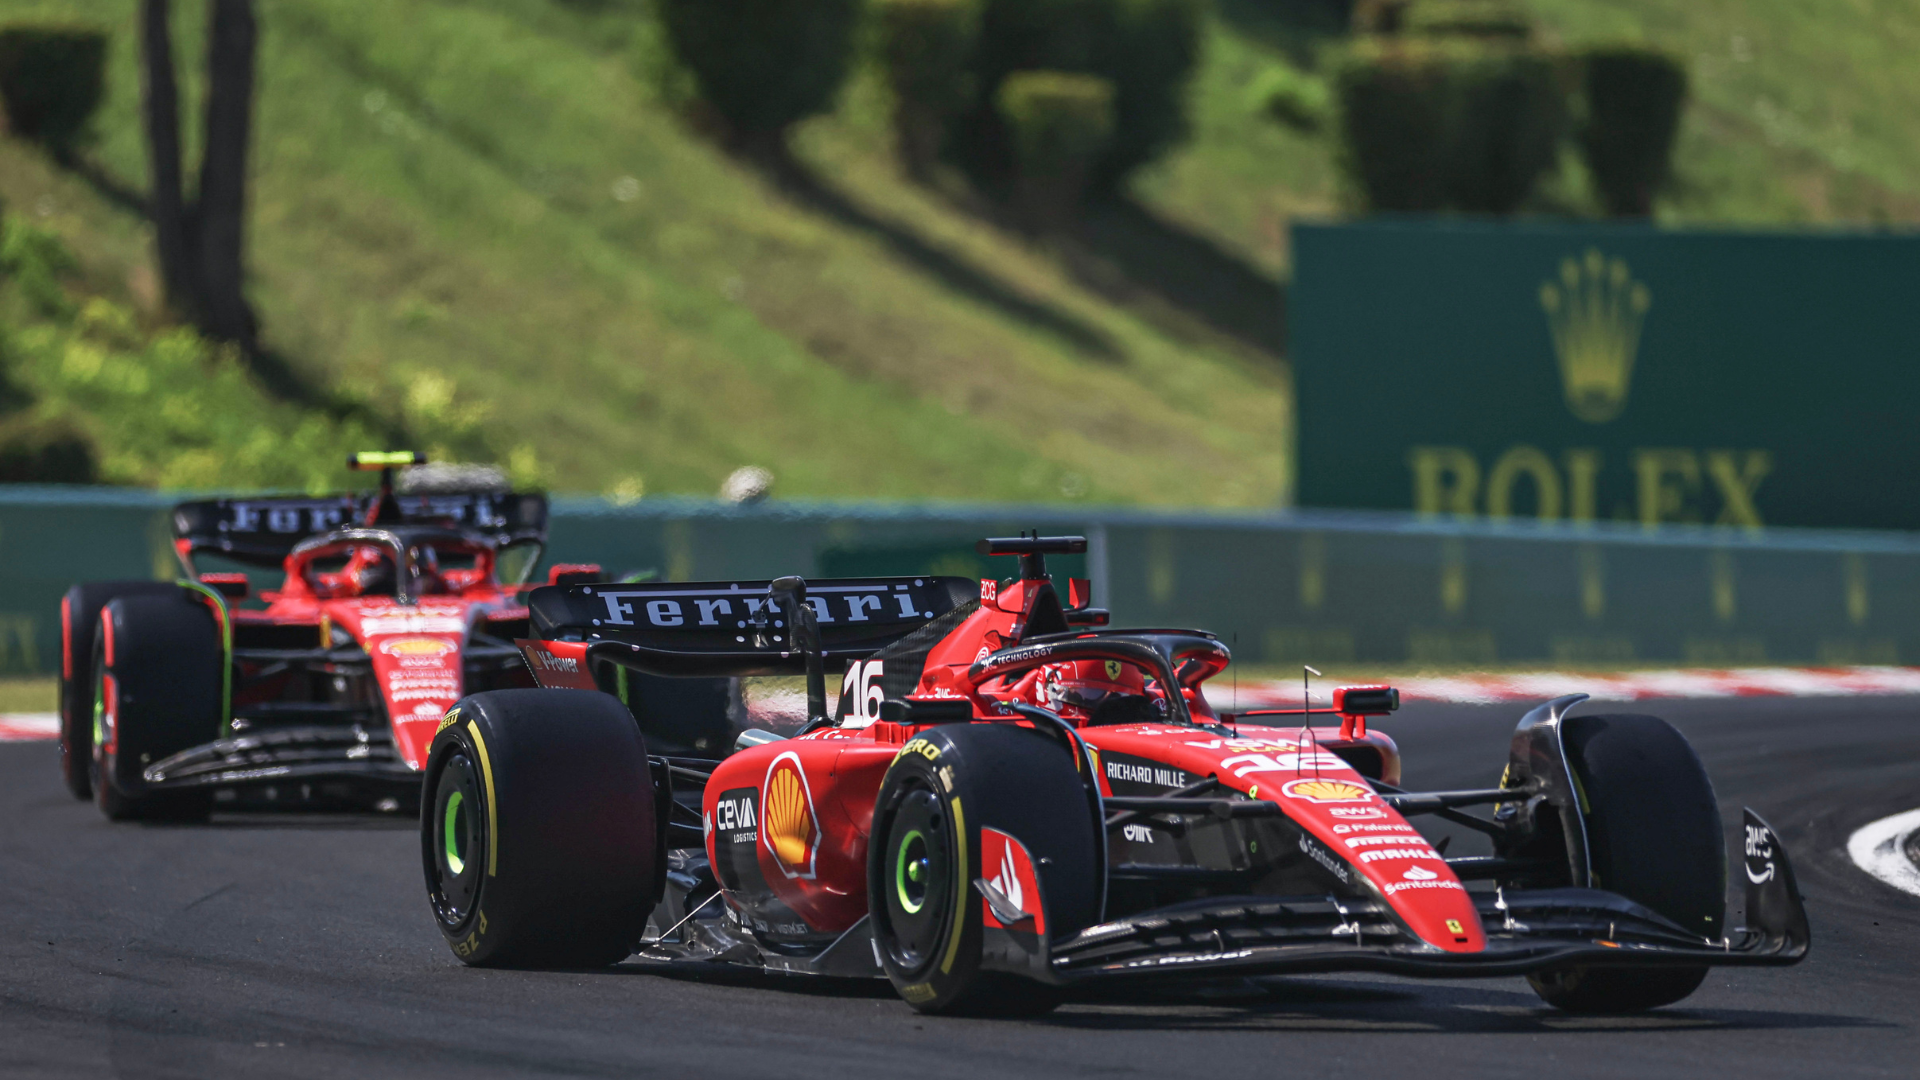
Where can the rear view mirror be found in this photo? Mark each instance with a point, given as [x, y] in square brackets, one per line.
[575, 574]
[231, 586]
[1365, 700]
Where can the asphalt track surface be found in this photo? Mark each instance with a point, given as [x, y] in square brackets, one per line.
[298, 947]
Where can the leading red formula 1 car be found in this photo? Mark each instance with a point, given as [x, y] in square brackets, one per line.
[391, 607]
[1013, 799]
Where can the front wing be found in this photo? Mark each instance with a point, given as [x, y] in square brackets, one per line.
[1527, 931]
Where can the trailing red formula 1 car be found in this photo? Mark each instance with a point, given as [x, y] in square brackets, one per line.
[392, 606]
[1014, 799]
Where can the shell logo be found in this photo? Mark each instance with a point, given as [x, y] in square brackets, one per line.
[1326, 791]
[417, 646]
[787, 820]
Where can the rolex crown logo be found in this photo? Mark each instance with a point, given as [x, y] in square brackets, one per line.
[1595, 311]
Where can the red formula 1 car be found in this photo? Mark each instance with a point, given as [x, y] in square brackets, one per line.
[1014, 799]
[392, 607]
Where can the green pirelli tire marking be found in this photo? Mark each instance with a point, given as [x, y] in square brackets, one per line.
[904, 871]
[455, 864]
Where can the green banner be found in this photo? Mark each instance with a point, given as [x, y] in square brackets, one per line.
[1602, 372]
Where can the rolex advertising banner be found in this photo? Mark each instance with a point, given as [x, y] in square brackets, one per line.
[1607, 372]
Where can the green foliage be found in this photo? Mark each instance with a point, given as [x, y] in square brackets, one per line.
[1509, 124]
[1634, 96]
[1293, 98]
[466, 209]
[926, 48]
[1148, 50]
[52, 79]
[1434, 125]
[764, 65]
[1490, 20]
[173, 410]
[88, 394]
[35, 450]
[36, 261]
[1060, 121]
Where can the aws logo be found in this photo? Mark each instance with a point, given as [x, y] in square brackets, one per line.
[788, 824]
[1594, 311]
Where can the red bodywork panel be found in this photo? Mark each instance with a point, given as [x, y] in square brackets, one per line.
[416, 648]
[787, 822]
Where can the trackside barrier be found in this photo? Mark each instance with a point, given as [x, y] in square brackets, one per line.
[1333, 587]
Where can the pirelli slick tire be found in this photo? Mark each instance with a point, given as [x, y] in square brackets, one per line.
[925, 854]
[157, 683]
[1654, 836]
[538, 830]
[79, 627]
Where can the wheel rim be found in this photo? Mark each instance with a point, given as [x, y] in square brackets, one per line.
[100, 711]
[455, 832]
[458, 845]
[103, 720]
[910, 873]
[920, 842]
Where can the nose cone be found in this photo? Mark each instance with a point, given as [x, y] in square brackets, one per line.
[1345, 814]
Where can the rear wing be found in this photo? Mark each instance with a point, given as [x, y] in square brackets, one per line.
[263, 531]
[734, 628]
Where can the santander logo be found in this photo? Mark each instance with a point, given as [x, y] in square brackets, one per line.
[1419, 873]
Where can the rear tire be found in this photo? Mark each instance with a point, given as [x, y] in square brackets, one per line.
[157, 682]
[538, 830]
[79, 627]
[927, 925]
[1653, 836]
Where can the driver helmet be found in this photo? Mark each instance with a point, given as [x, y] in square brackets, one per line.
[428, 580]
[1102, 692]
[375, 575]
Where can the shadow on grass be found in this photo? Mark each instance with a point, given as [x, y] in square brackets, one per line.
[811, 191]
[1127, 252]
[111, 189]
[272, 369]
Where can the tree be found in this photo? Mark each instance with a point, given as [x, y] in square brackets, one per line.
[201, 242]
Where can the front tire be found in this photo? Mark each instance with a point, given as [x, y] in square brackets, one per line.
[538, 830]
[158, 675]
[925, 851]
[1653, 836]
[79, 628]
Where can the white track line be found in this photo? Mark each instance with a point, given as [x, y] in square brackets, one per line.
[27, 727]
[1879, 849]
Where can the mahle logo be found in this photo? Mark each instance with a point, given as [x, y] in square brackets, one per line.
[1595, 311]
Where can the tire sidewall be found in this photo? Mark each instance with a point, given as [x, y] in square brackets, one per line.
[567, 807]
[166, 672]
[1002, 776]
[79, 633]
[1654, 833]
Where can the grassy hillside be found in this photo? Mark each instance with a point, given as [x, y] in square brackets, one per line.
[1802, 113]
[475, 213]
[474, 221]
